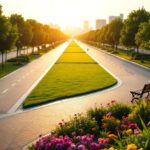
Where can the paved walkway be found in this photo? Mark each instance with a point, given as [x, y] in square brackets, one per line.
[15, 85]
[22, 128]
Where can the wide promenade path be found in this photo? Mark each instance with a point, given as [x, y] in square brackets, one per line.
[22, 128]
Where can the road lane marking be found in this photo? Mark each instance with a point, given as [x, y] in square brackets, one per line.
[4, 91]
[14, 108]
[13, 84]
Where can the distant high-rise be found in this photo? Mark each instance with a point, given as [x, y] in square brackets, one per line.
[121, 16]
[111, 18]
[100, 23]
[85, 26]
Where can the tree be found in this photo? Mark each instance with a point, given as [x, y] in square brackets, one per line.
[27, 35]
[115, 30]
[142, 38]
[131, 26]
[1, 10]
[9, 34]
[37, 33]
[4, 30]
[18, 20]
[11, 38]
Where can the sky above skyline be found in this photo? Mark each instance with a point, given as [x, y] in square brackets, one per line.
[71, 12]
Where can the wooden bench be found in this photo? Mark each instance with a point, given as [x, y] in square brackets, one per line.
[140, 93]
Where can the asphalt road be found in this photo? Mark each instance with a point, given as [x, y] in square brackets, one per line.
[22, 128]
[13, 86]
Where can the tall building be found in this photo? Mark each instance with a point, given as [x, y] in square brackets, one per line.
[111, 18]
[100, 23]
[121, 16]
[85, 26]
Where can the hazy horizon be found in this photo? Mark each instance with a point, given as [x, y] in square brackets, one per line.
[71, 12]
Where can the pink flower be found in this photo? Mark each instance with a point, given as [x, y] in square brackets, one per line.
[148, 124]
[136, 131]
[108, 114]
[73, 133]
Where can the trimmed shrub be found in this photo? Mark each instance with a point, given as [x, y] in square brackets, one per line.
[79, 125]
[118, 110]
[20, 59]
[97, 113]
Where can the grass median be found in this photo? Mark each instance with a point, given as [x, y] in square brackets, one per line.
[79, 76]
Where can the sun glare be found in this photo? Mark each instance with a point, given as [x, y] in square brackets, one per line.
[70, 12]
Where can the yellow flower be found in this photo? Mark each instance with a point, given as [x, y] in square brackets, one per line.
[111, 148]
[118, 121]
[131, 147]
[141, 149]
[129, 131]
[112, 136]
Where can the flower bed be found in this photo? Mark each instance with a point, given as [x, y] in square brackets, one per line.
[115, 127]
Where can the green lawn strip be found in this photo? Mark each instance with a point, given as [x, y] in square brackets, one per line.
[12, 66]
[127, 56]
[74, 49]
[75, 57]
[8, 68]
[67, 80]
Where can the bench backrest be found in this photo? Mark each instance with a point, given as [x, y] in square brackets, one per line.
[146, 88]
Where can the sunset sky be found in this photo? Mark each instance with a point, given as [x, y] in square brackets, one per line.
[71, 12]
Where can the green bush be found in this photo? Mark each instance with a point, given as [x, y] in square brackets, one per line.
[79, 125]
[139, 56]
[118, 110]
[115, 52]
[97, 113]
[140, 109]
[21, 58]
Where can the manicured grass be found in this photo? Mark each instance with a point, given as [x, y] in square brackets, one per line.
[12, 66]
[67, 80]
[127, 56]
[8, 68]
[75, 57]
[74, 49]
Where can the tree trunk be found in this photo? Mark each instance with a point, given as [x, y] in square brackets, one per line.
[137, 49]
[116, 47]
[17, 52]
[2, 61]
[6, 56]
[32, 49]
[27, 50]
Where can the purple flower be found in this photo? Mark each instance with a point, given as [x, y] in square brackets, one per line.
[136, 131]
[132, 126]
[108, 114]
[81, 147]
[59, 146]
[148, 124]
